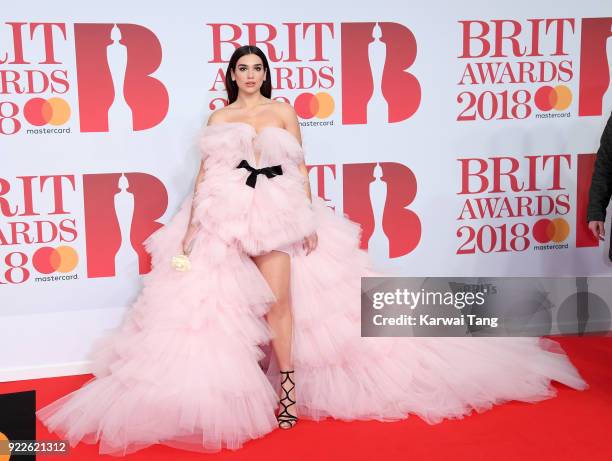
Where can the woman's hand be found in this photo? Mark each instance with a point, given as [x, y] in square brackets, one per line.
[188, 240]
[310, 243]
[185, 248]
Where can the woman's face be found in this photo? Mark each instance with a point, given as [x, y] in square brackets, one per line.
[249, 74]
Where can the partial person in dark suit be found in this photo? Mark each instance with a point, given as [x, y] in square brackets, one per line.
[601, 186]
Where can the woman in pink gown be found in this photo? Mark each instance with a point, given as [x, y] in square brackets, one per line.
[268, 263]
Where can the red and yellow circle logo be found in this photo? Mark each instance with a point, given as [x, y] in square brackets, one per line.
[548, 98]
[546, 230]
[52, 111]
[47, 260]
[308, 105]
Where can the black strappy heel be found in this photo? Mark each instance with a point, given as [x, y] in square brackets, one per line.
[284, 418]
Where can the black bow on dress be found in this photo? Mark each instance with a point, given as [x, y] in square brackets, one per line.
[269, 171]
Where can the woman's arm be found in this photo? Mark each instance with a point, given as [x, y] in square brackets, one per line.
[304, 171]
[191, 229]
[195, 189]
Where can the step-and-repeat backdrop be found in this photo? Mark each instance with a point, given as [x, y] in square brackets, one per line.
[461, 136]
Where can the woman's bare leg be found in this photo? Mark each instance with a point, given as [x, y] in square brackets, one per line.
[275, 267]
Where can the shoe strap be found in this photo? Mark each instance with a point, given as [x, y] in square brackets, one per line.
[284, 415]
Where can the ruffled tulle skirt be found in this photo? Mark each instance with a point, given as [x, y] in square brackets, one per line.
[339, 374]
[184, 369]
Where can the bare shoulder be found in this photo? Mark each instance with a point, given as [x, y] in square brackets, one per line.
[290, 119]
[284, 110]
[218, 116]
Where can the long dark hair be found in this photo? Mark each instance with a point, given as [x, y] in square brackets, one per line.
[232, 87]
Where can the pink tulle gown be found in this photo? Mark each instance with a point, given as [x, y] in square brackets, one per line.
[184, 369]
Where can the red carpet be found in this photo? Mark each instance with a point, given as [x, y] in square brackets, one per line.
[573, 426]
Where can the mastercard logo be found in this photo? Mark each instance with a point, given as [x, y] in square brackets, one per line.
[548, 98]
[547, 230]
[308, 105]
[52, 111]
[47, 260]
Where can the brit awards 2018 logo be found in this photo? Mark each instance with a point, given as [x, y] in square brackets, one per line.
[40, 230]
[114, 62]
[513, 204]
[376, 59]
[517, 69]
[510, 69]
[34, 77]
[36, 216]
